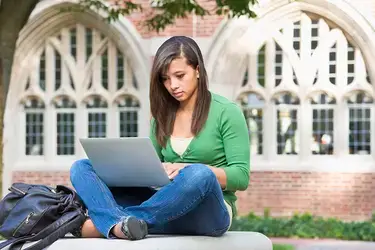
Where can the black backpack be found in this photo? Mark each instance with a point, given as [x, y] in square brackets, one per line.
[31, 213]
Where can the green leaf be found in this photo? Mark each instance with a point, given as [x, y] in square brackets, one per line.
[305, 226]
[166, 12]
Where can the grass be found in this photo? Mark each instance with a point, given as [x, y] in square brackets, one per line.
[283, 247]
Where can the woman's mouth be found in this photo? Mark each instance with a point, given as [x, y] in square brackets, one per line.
[178, 94]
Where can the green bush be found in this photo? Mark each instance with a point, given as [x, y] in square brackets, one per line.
[283, 247]
[305, 226]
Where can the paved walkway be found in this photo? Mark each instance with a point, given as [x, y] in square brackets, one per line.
[326, 244]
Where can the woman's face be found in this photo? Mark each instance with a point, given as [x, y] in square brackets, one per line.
[181, 80]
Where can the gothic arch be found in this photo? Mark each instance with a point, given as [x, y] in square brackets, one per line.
[46, 21]
[300, 47]
[225, 61]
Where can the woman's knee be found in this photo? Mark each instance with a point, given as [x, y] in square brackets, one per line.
[79, 168]
[200, 174]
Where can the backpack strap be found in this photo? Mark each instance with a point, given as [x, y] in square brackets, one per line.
[58, 229]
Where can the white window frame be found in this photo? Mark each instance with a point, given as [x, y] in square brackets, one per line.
[22, 135]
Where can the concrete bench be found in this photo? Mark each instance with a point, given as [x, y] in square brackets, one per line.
[230, 241]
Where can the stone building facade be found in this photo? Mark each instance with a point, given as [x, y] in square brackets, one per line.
[301, 72]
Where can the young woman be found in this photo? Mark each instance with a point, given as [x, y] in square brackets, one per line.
[202, 140]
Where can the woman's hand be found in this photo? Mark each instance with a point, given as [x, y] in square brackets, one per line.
[173, 169]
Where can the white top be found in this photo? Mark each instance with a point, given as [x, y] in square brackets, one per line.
[180, 144]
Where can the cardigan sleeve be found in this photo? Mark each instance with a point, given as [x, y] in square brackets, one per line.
[235, 136]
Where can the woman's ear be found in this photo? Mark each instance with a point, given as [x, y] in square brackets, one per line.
[197, 71]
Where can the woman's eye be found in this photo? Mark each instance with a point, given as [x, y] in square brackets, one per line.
[180, 76]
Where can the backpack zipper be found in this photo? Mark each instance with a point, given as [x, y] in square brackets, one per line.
[24, 222]
[17, 190]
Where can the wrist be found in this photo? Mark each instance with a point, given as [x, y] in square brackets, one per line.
[220, 175]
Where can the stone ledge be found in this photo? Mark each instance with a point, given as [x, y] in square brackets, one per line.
[230, 241]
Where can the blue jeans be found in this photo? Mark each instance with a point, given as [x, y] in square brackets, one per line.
[192, 204]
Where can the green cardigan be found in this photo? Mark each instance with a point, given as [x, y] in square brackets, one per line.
[223, 143]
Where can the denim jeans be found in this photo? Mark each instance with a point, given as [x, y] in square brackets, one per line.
[192, 204]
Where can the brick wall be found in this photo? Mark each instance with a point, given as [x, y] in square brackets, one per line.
[199, 27]
[346, 196]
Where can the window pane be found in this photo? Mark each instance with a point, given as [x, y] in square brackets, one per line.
[278, 65]
[254, 120]
[360, 107]
[128, 116]
[351, 62]
[120, 70]
[65, 134]
[42, 71]
[128, 123]
[97, 118]
[34, 133]
[89, 41]
[332, 67]
[261, 65]
[287, 131]
[322, 131]
[252, 105]
[97, 125]
[34, 127]
[105, 69]
[73, 42]
[65, 120]
[359, 130]
[322, 124]
[287, 126]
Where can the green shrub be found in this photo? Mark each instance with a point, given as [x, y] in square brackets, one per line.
[305, 226]
[283, 247]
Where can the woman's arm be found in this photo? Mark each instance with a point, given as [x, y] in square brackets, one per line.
[235, 135]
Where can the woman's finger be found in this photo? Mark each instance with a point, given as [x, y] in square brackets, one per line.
[174, 173]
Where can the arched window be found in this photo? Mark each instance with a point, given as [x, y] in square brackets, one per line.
[322, 123]
[252, 105]
[305, 69]
[34, 110]
[77, 74]
[287, 123]
[360, 105]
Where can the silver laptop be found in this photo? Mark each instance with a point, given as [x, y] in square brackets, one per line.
[125, 162]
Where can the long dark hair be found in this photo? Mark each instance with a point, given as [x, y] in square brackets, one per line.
[163, 105]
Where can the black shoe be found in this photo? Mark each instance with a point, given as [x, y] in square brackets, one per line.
[133, 228]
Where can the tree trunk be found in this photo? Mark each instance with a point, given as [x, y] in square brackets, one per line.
[1, 119]
[13, 16]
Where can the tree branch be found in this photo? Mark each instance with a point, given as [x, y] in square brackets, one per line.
[165, 12]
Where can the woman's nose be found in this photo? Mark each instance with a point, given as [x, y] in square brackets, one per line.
[174, 84]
